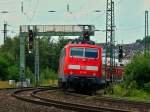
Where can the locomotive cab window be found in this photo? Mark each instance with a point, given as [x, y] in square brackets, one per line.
[77, 52]
[91, 53]
[84, 52]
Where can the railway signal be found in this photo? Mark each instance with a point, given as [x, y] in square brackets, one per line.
[120, 54]
[86, 36]
[31, 41]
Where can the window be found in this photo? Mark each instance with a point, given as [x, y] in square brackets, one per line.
[91, 53]
[84, 52]
[78, 52]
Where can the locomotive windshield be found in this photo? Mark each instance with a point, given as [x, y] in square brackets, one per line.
[78, 52]
[91, 53]
[84, 52]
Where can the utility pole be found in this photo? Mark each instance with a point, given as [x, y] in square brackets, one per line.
[113, 38]
[68, 9]
[5, 31]
[22, 7]
[146, 47]
[22, 58]
[109, 38]
[36, 54]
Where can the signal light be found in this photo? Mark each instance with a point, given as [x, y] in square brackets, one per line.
[30, 36]
[30, 39]
[120, 55]
[86, 36]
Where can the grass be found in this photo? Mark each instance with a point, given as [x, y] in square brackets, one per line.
[49, 82]
[132, 95]
[133, 98]
[5, 84]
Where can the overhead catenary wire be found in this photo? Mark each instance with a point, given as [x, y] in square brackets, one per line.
[98, 17]
[104, 12]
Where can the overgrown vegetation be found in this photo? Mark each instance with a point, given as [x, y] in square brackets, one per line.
[136, 85]
[49, 57]
[138, 72]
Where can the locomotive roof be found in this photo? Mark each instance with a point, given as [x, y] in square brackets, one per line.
[82, 45]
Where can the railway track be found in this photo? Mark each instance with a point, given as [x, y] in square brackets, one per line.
[30, 95]
[134, 104]
[139, 106]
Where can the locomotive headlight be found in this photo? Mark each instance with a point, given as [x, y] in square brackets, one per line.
[77, 67]
[94, 68]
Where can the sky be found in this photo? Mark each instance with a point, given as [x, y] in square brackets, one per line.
[129, 16]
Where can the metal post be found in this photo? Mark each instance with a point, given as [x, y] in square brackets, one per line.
[5, 31]
[113, 39]
[22, 58]
[109, 37]
[36, 53]
[146, 32]
[22, 7]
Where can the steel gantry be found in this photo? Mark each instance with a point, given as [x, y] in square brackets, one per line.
[110, 39]
[46, 30]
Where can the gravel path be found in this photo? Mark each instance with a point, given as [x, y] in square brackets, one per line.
[11, 104]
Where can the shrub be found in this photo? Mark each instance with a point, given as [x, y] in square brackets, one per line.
[48, 74]
[13, 72]
[138, 70]
[30, 75]
[147, 87]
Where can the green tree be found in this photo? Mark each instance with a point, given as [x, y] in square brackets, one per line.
[9, 57]
[50, 52]
[142, 41]
[139, 41]
[3, 68]
[13, 72]
[138, 71]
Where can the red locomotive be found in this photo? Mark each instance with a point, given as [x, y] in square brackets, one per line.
[80, 66]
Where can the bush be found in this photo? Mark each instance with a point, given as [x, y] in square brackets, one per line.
[30, 75]
[138, 70]
[48, 74]
[118, 90]
[131, 93]
[147, 87]
[13, 72]
[122, 90]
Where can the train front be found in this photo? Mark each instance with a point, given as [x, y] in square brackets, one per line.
[83, 66]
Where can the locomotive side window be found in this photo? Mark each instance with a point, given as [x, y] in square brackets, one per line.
[77, 52]
[91, 53]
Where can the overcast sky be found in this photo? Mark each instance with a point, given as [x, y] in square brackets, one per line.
[129, 15]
